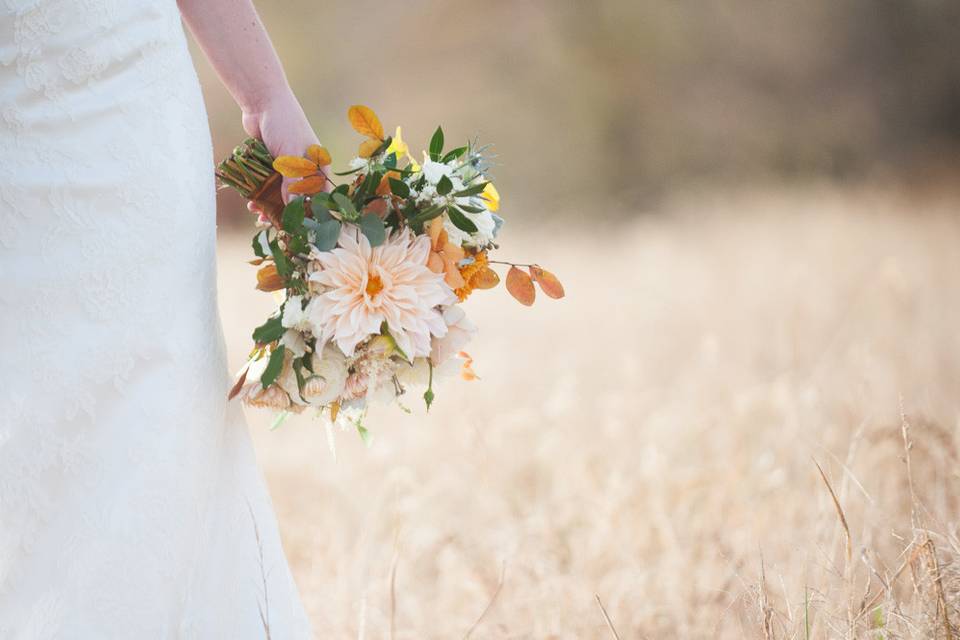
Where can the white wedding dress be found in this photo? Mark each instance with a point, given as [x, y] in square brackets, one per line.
[130, 502]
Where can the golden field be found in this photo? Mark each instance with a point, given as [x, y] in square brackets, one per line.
[652, 440]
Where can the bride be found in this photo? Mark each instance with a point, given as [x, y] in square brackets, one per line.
[130, 502]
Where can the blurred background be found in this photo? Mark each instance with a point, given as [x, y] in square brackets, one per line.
[754, 208]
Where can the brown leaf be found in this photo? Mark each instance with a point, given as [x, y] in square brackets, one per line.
[268, 279]
[486, 279]
[318, 155]
[367, 147]
[309, 185]
[520, 286]
[238, 385]
[294, 167]
[548, 282]
[365, 122]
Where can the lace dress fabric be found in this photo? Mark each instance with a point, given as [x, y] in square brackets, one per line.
[130, 501]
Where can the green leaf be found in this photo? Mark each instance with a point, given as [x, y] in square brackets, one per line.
[472, 191]
[372, 227]
[348, 173]
[326, 235]
[461, 221]
[436, 145]
[383, 147]
[260, 244]
[399, 188]
[390, 162]
[428, 394]
[364, 435]
[293, 215]
[470, 209]
[320, 208]
[430, 213]
[284, 268]
[269, 331]
[444, 186]
[279, 420]
[297, 245]
[274, 366]
[341, 188]
[453, 155]
[345, 205]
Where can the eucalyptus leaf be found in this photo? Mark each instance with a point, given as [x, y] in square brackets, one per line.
[372, 226]
[326, 235]
[399, 188]
[345, 205]
[460, 220]
[320, 208]
[436, 145]
[471, 209]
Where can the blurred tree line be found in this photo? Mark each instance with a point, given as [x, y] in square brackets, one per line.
[631, 98]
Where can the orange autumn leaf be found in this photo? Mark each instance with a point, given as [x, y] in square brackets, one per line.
[318, 155]
[548, 282]
[294, 167]
[238, 385]
[486, 279]
[309, 186]
[268, 279]
[367, 147]
[520, 286]
[365, 122]
[466, 370]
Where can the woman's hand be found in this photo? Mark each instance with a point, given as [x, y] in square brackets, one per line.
[236, 44]
[283, 127]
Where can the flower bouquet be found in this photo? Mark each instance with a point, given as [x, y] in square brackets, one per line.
[369, 274]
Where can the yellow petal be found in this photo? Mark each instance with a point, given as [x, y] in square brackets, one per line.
[398, 146]
[294, 167]
[491, 196]
[319, 155]
[367, 147]
[365, 122]
[310, 185]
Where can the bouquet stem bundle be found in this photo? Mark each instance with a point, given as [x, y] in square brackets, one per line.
[249, 170]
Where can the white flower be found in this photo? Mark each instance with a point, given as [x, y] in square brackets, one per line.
[359, 163]
[459, 332]
[367, 286]
[484, 235]
[293, 315]
[435, 171]
[416, 374]
[294, 341]
[329, 377]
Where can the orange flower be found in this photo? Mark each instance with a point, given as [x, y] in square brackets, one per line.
[477, 275]
[444, 255]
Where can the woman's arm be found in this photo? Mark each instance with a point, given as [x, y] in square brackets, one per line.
[237, 45]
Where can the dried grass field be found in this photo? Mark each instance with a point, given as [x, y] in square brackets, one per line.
[652, 441]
